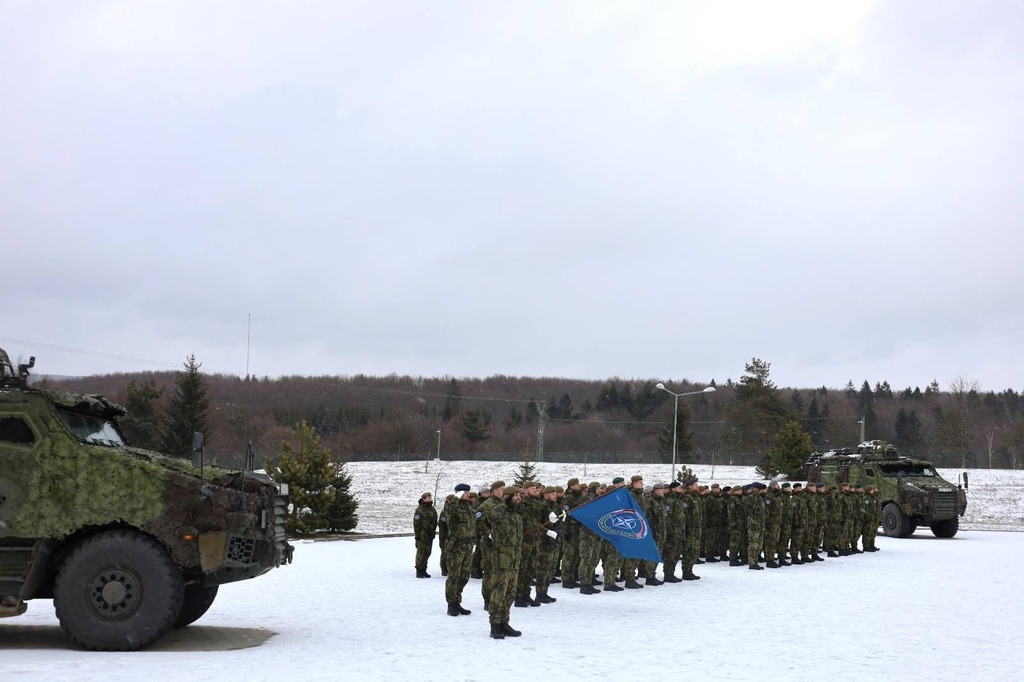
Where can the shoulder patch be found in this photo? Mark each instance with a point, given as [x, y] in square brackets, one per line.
[416, 517]
[479, 514]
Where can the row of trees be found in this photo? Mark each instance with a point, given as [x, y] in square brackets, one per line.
[401, 417]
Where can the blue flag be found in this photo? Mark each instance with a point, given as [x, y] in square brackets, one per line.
[616, 517]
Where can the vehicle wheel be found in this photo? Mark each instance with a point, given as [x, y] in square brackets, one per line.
[946, 528]
[895, 523]
[117, 591]
[198, 601]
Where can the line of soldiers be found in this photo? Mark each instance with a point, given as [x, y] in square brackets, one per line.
[515, 538]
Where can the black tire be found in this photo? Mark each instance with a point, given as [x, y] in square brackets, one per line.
[946, 528]
[198, 601]
[117, 591]
[895, 523]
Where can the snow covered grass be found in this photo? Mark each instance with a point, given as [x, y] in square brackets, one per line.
[922, 608]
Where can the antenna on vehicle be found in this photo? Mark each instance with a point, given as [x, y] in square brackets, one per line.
[197, 452]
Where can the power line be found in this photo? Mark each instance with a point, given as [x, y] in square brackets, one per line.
[90, 353]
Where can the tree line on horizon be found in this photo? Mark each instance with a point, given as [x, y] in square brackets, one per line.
[749, 422]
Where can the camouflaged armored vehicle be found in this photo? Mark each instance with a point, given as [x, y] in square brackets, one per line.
[128, 543]
[911, 492]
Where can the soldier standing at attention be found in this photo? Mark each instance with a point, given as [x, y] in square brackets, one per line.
[873, 505]
[773, 501]
[590, 547]
[534, 513]
[571, 535]
[461, 535]
[424, 526]
[506, 539]
[675, 533]
[629, 566]
[756, 514]
[442, 531]
[478, 553]
[799, 519]
[691, 548]
[548, 547]
[611, 560]
[483, 528]
[713, 524]
[659, 525]
[737, 525]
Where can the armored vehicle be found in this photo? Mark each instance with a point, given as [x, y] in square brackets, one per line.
[911, 492]
[128, 543]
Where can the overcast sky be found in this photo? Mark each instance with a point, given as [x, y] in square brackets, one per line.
[581, 189]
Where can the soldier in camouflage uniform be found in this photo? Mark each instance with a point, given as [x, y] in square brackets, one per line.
[571, 535]
[533, 512]
[675, 531]
[815, 520]
[833, 521]
[722, 551]
[849, 511]
[773, 523]
[424, 526]
[506, 536]
[478, 553]
[756, 516]
[629, 566]
[483, 530]
[549, 545]
[822, 520]
[691, 549]
[796, 541]
[785, 523]
[442, 532]
[737, 525]
[461, 536]
[873, 507]
[713, 524]
[611, 560]
[659, 526]
[859, 516]
[590, 545]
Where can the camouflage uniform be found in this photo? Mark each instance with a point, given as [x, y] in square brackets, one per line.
[461, 536]
[571, 537]
[756, 516]
[785, 524]
[483, 531]
[534, 513]
[849, 512]
[833, 521]
[507, 537]
[424, 526]
[675, 535]
[629, 566]
[737, 525]
[796, 540]
[773, 525]
[691, 549]
[442, 532]
[873, 507]
[548, 548]
[659, 507]
[713, 525]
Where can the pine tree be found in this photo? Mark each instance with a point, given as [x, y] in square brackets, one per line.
[758, 410]
[684, 435]
[789, 454]
[526, 471]
[141, 425]
[186, 414]
[319, 492]
[474, 427]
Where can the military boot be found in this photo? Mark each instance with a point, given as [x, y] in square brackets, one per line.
[521, 602]
[476, 575]
[589, 589]
[653, 582]
[462, 611]
[421, 573]
[546, 599]
[487, 604]
[497, 631]
[712, 559]
[732, 562]
[613, 588]
[632, 584]
[817, 557]
[509, 631]
[453, 610]
[671, 578]
[832, 553]
[688, 573]
[756, 567]
[783, 562]
[570, 585]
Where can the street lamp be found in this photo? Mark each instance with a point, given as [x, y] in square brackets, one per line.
[439, 445]
[675, 418]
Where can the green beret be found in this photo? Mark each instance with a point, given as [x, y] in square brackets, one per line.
[512, 490]
[618, 479]
[571, 482]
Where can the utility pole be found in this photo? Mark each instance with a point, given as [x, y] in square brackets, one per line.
[541, 412]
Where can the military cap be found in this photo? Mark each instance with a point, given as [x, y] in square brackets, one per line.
[529, 484]
[726, 488]
[661, 486]
[691, 481]
[797, 485]
[549, 489]
[462, 487]
[786, 484]
[714, 485]
[571, 482]
[675, 484]
[513, 489]
[746, 487]
[558, 489]
[593, 485]
[484, 491]
[819, 484]
[426, 494]
[618, 479]
[497, 484]
[648, 489]
[636, 478]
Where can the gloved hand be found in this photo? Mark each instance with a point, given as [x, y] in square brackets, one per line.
[552, 517]
[551, 534]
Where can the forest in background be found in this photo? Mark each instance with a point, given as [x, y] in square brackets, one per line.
[558, 419]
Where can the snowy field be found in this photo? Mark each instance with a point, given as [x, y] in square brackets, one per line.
[922, 608]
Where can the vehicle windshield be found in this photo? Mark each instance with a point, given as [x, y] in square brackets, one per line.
[906, 469]
[89, 428]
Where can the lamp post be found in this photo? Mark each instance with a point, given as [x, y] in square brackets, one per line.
[675, 417]
[439, 445]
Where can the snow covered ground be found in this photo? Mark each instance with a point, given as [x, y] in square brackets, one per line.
[922, 608]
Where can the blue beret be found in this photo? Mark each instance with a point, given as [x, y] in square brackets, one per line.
[462, 487]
